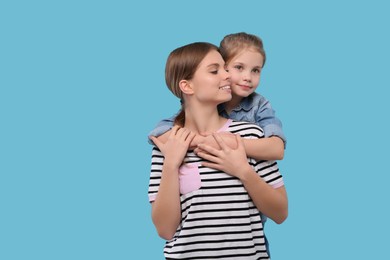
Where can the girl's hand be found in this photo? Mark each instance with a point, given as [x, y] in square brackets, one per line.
[176, 146]
[228, 138]
[226, 159]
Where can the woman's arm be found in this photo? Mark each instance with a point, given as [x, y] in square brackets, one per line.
[166, 208]
[270, 201]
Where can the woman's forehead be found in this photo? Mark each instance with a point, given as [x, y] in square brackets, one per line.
[212, 58]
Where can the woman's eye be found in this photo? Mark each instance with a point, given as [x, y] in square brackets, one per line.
[214, 72]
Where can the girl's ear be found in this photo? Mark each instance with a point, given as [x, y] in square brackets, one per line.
[186, 87]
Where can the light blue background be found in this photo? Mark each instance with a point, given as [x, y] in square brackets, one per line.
[82, 83]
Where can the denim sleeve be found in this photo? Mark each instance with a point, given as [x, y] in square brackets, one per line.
[267, 120]
[161, 127]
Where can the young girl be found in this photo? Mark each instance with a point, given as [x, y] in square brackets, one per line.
[210, 210]
[244, 56]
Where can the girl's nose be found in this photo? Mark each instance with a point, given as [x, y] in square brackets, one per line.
[247, 77]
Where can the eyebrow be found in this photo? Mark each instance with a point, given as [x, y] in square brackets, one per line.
[213, 64]
[241, 63]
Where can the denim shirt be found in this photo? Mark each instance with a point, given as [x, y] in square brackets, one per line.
[258, 110]
[254, 109]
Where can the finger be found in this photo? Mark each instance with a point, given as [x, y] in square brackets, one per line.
[240, 142]
[175, 129]
[209, 149]
[209, 157]
[190, 137]
[212, 165]
[198, 150]
[156, 142]
[184, 132]
[205, 134]
[220, 141]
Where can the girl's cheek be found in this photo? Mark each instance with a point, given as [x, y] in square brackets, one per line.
[233, 77]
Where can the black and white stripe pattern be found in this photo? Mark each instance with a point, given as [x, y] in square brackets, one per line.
[219, 220]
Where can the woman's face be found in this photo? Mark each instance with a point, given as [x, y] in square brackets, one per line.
[211, 82]
[245, 70]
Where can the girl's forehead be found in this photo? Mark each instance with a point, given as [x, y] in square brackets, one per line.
[247, 50]
[248, 53]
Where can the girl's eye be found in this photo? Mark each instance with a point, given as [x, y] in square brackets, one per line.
[239, 67]
[256, 71]
[214, 72]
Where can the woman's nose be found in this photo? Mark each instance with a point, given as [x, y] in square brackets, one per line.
[226, 75]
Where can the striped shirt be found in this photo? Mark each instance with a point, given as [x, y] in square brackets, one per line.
[218, 218]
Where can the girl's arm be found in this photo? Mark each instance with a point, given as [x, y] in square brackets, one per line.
[162, 127]
[228, 137]
[195, 141]
[268, 148]
[270, 201]
[272, 146]
[166, 208]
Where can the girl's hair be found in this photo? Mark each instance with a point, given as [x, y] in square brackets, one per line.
[232, 44]
[182, 64]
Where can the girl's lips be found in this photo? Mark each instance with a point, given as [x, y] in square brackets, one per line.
[244, 87]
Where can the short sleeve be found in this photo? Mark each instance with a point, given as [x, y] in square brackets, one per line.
[266, 118]
[155, 173]
[162, 127]
[267, 170]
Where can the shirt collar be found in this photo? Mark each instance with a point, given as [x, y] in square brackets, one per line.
[245, 104]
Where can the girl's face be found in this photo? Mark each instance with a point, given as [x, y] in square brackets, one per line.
[211, 82]
[245, 70]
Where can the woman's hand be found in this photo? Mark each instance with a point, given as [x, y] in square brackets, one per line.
[226, 159]
[271, 202]
[176, 146]
[207, 138]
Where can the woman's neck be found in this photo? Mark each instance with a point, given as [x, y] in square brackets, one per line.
[203, 119]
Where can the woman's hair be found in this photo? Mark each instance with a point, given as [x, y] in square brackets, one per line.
[182, 64]
[232, 44]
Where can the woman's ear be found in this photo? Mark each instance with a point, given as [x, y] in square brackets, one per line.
[186, 87]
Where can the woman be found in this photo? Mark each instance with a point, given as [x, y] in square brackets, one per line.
[210, 209]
